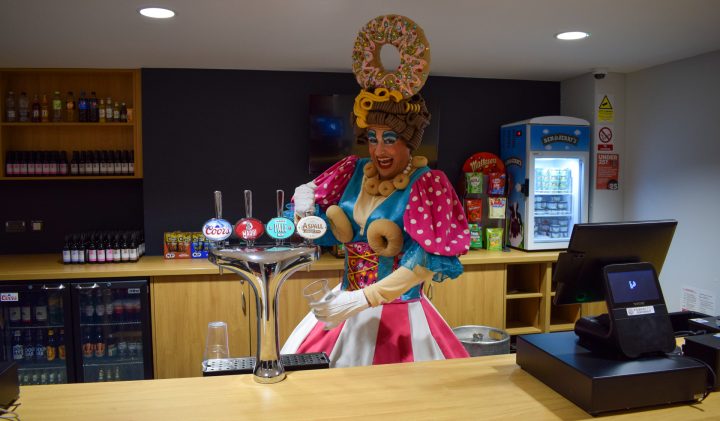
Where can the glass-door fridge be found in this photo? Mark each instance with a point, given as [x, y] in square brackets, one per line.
[66, 332]
[547, 162]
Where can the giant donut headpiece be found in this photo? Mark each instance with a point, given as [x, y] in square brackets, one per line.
[391, 98]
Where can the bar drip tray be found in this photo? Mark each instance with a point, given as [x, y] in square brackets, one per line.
[246, 365]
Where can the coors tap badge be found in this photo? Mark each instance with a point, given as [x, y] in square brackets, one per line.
[217, 229]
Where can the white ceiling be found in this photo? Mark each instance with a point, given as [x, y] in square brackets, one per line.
[507, 39]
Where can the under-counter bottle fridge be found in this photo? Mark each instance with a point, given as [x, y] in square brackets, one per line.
[77, 331]
[547, 164]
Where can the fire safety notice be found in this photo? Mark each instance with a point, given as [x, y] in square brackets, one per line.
[607, 171]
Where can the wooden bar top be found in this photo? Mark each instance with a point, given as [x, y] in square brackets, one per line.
[50, 266]
[492, 387]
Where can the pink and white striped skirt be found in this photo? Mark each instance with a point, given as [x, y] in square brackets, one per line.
[391, 333]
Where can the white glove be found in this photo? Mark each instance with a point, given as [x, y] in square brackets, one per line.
[304, 198]
[342, 306]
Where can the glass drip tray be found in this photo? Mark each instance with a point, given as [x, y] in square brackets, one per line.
[245, 365]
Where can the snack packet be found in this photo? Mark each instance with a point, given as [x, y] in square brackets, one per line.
[494, 238]
[496, 208]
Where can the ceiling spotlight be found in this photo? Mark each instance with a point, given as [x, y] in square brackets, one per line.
[156, 12]
[572, 35]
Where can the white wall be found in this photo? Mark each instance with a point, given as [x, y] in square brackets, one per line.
[581, 97]
[672, 166]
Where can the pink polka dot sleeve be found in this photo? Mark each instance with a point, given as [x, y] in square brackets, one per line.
[331, 184]
[434, 216]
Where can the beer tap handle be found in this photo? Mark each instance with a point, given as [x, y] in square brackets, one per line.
[248, 203]
[280, 196]
[218, 204]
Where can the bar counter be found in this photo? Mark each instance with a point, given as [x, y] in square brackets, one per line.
[49, 266]
[491, 387]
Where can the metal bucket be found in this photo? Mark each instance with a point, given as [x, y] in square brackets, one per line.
[483, 340]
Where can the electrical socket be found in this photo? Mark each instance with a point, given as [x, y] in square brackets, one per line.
[14, 226]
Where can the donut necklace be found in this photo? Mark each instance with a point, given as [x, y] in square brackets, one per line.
[373, 186]
[410, 41]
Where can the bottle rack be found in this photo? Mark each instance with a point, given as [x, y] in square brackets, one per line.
[120, 84]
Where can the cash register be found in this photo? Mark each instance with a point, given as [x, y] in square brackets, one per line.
[626, 358]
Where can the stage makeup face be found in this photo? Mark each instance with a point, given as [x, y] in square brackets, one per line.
[388, 152]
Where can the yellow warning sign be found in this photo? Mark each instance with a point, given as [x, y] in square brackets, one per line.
[605, 110]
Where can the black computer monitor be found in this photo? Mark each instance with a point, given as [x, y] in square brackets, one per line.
[578, 275]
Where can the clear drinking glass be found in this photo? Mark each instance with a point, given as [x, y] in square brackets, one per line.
[216, 346]
[318, 291]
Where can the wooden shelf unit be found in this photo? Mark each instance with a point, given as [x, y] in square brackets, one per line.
[122, 85]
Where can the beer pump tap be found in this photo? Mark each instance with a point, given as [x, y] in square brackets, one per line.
[249, 228]
[280, 228]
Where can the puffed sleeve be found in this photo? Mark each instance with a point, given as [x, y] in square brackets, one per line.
[331, 184]
[435, 220]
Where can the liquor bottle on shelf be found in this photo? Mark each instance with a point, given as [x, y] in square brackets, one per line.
[108, 251]
[83, 108]
[23, 108]
[93, 112]
[67, 255]
[81, 163]
[116, 112]
[70, 111]
[101, 111]
[109, 110]
[88, 163]
[131, 162]
[82, 246]
[35, 109]
[10, 108]
[124, 249]
[91, 250]
[123, 113]
[9, 164]
[44, 109]
[117, 255]
[103, 163]
[133, 248]
[23, 165]
[124, 164]
[100, 247]
[45, 163]
[117, 163]
[63, 163]
[57, 107]
[95, 163]
[74, 163]
[38, 162]
[54, 158]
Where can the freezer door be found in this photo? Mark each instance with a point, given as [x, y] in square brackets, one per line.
[557, 198]
[113, 330]
[35, 333]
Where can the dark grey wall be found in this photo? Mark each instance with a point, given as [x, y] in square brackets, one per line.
[67, 206]
[230, 130]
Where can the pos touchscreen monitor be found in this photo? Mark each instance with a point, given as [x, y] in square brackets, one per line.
[618, 263]
[578, 276]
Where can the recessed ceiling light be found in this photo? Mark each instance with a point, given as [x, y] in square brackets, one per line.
[156, 12]
[572, 35]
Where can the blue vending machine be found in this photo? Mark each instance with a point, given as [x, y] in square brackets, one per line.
[547, 164]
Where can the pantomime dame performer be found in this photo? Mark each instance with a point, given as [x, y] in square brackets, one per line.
[401, 222]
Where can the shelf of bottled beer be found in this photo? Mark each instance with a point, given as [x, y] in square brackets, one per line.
[75, 177]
